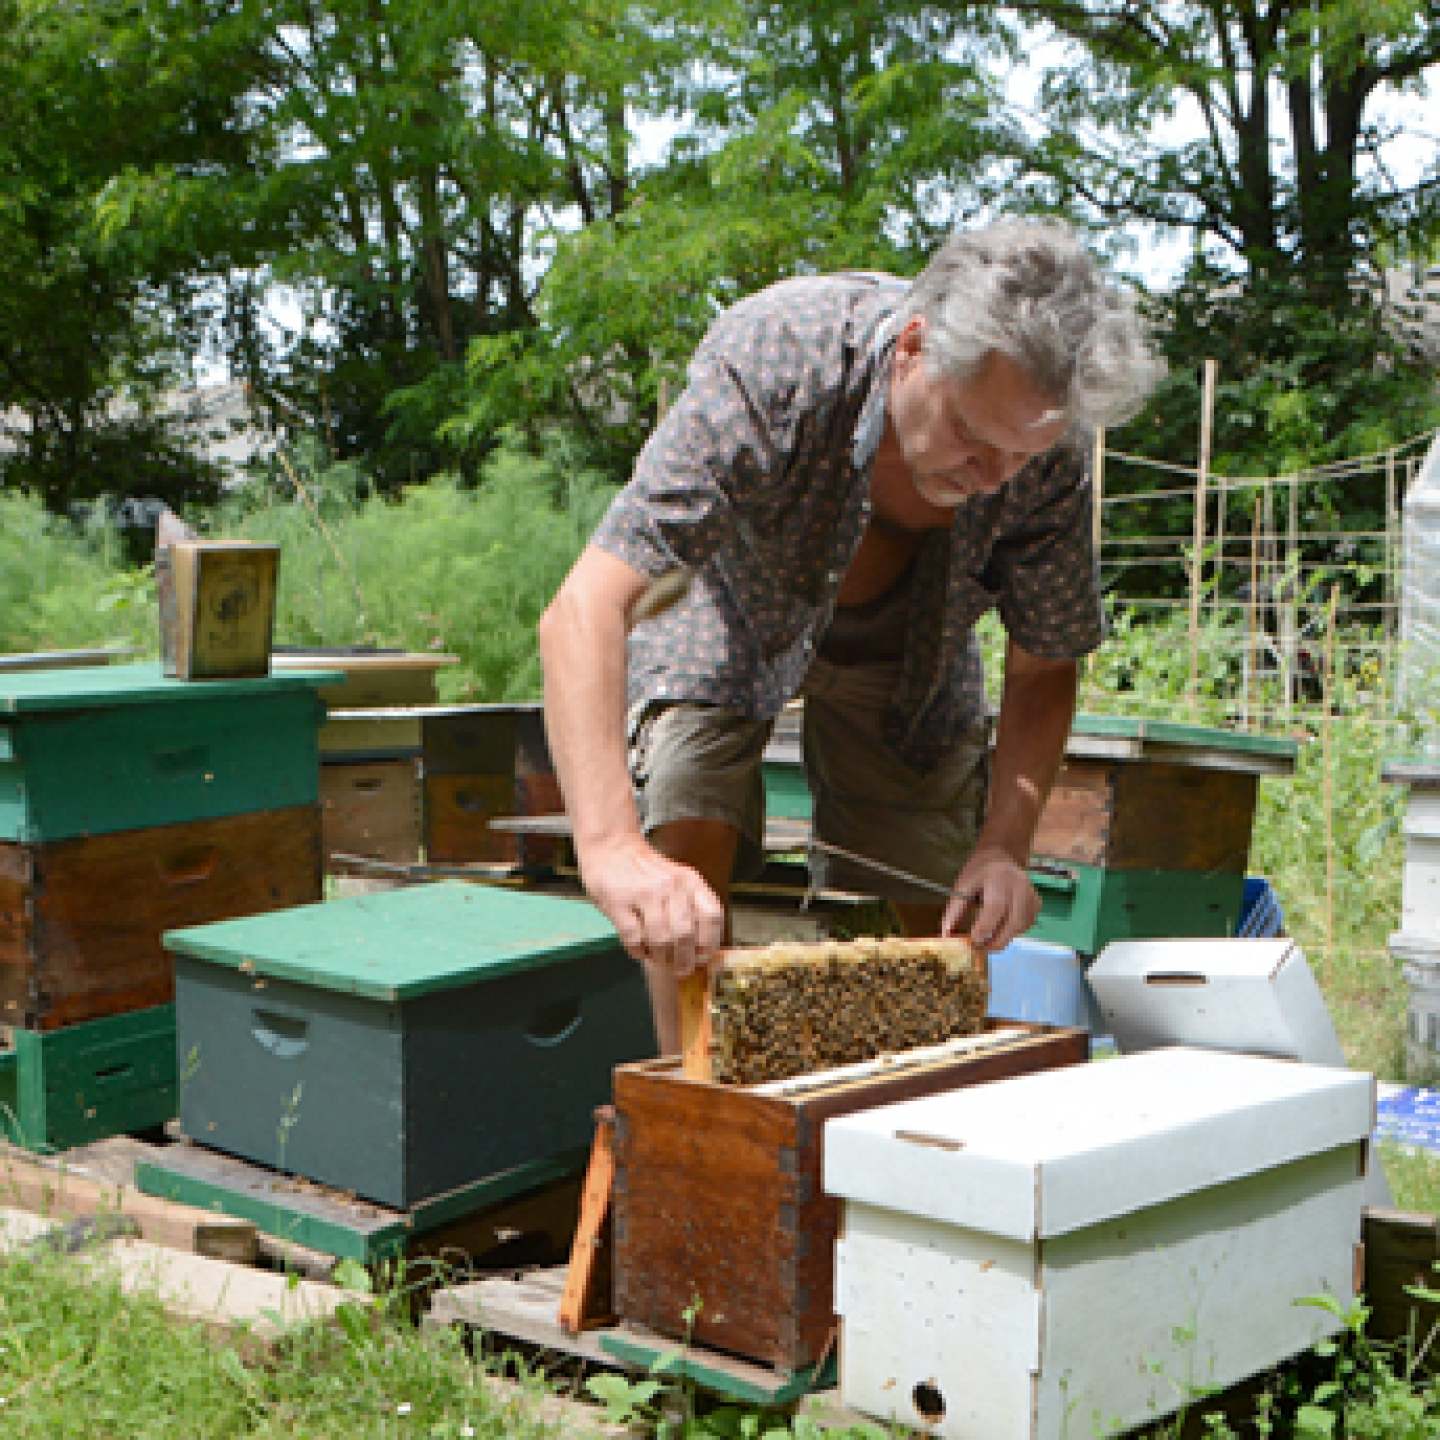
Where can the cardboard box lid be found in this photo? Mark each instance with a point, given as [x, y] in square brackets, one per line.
[1045, 1154]
[1255, 996]
[405, 943]
[94, 687]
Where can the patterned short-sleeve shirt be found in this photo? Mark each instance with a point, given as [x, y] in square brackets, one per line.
[758, 479]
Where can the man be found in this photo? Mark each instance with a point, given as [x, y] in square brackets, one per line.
[857, 470]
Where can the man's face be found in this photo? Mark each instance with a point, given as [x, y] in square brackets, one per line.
[962, 438]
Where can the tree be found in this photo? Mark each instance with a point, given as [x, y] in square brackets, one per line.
[808, 139]
[95, 315]
[1284, 95]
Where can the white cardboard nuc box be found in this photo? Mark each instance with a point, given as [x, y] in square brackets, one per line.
[1080, 1251]
[1254, 996]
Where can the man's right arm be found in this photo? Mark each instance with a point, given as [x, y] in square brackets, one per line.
[663, 912]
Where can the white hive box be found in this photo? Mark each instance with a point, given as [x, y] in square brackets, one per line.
[1077, 1252]
[1420, 896]
[1255, 996]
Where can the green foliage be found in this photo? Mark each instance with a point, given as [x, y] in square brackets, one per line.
[437, 567]
[63, 585]
[78, 1358]
[97, 311]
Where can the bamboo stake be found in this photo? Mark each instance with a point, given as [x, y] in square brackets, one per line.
[1251, 611]
[1222, 501]
[1207, 407]
[1292, 567]
[1327, 774]
[1392, 566]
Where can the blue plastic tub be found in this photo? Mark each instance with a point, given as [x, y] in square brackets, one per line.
[1038, 981]
[1260, 915]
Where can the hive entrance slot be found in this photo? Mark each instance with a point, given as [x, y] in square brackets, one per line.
[929, 1402]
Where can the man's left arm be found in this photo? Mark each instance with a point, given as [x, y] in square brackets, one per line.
[1037, 704]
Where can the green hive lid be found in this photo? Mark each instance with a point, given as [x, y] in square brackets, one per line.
[400, 944]
[1170, 732]
[91, 686]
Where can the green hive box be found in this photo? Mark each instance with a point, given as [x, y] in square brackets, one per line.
[404, 1044]
[120, 747]
[1086, 907]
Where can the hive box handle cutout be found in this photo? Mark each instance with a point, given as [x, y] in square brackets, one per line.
[284, 1036]
[553, 1024]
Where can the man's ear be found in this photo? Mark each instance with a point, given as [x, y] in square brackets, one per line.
[910, 342]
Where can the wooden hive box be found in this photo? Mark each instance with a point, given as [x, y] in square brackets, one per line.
[405, 1044]
[482, 761]
[120, 747]
[718, 1195]
[371, 808]
[1147, 830]
[81, 919]
[1072, 1255]
[130, 803]
[1138, 794]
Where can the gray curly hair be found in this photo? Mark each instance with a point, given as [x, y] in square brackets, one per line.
[1029, 289]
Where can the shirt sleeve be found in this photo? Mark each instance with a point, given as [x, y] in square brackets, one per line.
[1043, 565]
[733, 428]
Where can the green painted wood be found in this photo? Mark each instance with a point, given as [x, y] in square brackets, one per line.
[436, 1035]
[717, 1373]
[1086, 907]
[30, 692]
[7, 743]
[85, 1082]
[402, 944]
[9, 1094]
[331, 1224]
[100, 759]
[787, 792]
[1169, 732]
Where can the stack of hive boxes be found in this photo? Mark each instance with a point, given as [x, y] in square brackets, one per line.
[1417, 943]
[370, 751]
[129, 804]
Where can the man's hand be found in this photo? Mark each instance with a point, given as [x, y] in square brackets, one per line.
[664, 912]
[995, 896]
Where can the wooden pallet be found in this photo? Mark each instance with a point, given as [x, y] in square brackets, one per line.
[326, 1220]
[525, 1308]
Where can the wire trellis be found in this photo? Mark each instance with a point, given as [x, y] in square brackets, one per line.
[1251, 558]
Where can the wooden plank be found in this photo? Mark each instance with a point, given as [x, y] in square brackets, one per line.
[585, 1301]
[212, 1291]
[379, 678]
[1401, 1249]
[522, 1307]
[323, 1219]
[45, 1190]
[695, 1028]
[727, 1375]
[781, 833]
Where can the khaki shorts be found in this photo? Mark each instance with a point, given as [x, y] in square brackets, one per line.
[693, 761]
